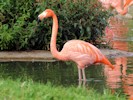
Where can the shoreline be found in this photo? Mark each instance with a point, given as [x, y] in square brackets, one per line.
[45, 56]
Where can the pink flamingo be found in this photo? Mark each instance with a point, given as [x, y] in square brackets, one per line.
[121, 6]
[81, 52]
[128, 3]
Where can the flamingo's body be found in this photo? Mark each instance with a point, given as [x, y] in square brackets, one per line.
[81, 52]
[121, 6]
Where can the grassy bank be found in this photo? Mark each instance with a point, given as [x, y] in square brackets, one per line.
[28, 90]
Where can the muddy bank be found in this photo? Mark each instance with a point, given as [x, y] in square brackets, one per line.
[116, 53]
[40, 55]
[35, 55]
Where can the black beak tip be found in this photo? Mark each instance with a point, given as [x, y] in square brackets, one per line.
[38, 20]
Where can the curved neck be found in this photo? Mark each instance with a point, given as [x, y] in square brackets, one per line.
[53, 48]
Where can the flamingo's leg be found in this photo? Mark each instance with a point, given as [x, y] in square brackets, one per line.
[79, 73]
[83, 72]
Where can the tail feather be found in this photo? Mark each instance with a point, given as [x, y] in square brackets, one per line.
[107, 62]
[127, 2]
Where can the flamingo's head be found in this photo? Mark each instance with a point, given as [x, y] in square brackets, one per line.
[45, 14]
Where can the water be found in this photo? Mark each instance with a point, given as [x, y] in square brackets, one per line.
[122, 77]
[119, 34]
[59, 73]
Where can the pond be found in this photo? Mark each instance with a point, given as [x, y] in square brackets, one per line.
[119, 34]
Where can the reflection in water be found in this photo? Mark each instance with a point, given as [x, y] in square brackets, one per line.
[128, 86]
[55, 72]
[116, 32]
[121, 77]
[118, 78]
[114, 77]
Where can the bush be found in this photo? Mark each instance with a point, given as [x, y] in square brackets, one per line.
[17, 23]
[77, 20]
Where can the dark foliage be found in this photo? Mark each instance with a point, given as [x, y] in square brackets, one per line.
[77, 20]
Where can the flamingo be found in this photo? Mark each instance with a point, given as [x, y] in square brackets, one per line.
[78, 51]
[128, 3]
[121, 6]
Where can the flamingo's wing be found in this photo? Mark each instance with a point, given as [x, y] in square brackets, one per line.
[81, 52]
[82, 59]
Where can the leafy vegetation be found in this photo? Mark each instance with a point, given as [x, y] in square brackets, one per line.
[77, 20]
[29, 90]
[17, 24]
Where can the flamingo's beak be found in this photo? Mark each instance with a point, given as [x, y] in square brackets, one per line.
[38, 20]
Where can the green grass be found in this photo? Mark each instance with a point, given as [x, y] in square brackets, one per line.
[28, 90]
